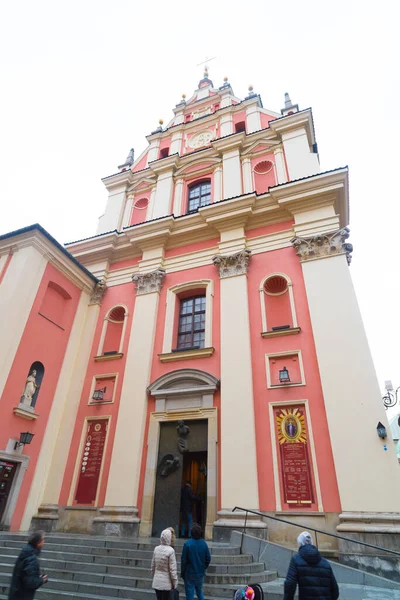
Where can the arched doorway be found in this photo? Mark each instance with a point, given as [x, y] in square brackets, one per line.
[184, 395]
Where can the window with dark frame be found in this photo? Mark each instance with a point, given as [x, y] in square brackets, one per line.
[192, 320]
[199, 195]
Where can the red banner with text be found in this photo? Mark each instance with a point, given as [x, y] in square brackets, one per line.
[91, 461]
[294, 456]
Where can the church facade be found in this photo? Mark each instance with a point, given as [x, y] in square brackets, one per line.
[209, 332]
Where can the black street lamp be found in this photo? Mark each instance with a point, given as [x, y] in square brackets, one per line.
[390, 398]
[24, 438]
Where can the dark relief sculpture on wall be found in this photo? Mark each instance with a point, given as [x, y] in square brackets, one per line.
[183, 431]
[168, 464]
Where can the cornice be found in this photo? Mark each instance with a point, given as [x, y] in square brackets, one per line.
[34, 238]
[230, 142]
[280, 204]
[295, 121]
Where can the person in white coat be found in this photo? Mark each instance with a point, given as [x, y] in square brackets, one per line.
[163, 567]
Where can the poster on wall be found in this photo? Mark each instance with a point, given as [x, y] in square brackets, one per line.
[91, 460]
[295, 463]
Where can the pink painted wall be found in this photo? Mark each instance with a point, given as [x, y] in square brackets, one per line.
[142, 164]
[263, 181]
[265, 119]
[45, 342]
[286, 261]
[116, 295]
[209, 364]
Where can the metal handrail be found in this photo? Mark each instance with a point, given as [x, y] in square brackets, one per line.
[307, 527]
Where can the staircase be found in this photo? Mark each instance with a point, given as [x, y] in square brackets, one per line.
[86, 568]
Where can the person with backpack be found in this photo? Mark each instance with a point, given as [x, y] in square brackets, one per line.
[163, 567]
[26, 578]
[194, 562]
[312, 573]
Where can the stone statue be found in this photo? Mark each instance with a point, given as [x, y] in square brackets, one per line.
[183, 431]
[30, 389]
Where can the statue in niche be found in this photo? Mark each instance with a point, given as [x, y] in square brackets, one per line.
[183, 431]
[30, 389]
[168, 464]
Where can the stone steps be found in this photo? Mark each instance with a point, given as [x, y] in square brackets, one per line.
[85, 567]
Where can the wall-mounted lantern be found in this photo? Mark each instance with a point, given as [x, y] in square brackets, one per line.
[284, 375]
[381, 429]
[99, 394]
[24, 438]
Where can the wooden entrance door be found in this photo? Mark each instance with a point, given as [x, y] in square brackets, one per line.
[7, 473]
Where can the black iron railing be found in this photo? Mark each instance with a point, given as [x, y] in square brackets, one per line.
[308, 528]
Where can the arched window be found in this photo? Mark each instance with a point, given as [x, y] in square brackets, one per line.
[112, 336]
[278, 312]
[199, 195]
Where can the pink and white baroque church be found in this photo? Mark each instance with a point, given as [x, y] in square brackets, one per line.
[209, 332]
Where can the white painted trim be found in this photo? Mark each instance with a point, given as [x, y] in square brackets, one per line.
[291, 299]
[217, 184]
[177, 208]
[92, 388]
[248, 182]
[171, 300]
[279, 355]
[22, 461]
[105, 325]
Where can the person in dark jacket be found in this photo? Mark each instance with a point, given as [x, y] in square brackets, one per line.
[194, 562]
[187, 499]
[312, 573]
[26, 578]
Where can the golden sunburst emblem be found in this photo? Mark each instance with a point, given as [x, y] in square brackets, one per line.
[291, 426]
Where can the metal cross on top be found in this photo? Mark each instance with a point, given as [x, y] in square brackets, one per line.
[205, 63]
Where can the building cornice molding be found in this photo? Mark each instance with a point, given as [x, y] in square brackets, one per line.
[298, 120]
[251, 211]
[66, 265]
[323, 246]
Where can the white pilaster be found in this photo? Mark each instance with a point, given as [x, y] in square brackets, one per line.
[177, 210]
[217, 192]
[238, 460]
[163, 195]
[280, 166]
[17, 293]
[226, 125]
[176, 143]
[351, 391]
[247, 176]
[232, 173]
[153, 150]
[127, 451]
[112, 217]
[127, 211]
[301, 162]
[150, 208]
[253, 118]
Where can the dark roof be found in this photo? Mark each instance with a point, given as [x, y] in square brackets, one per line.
[91, 237]
[47, 235]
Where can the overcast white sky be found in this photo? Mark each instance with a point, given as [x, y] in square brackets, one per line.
[83, 82]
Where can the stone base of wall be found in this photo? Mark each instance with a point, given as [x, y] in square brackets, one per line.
[229, 521]
[120, 521]
[378, 529]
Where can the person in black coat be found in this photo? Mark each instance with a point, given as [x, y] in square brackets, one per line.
[312, 573]
[26, 578]
[187, 499]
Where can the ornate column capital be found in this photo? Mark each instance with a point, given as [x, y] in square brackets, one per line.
[234, 264]
[98, 292]
[322, 246]
[147, 283]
